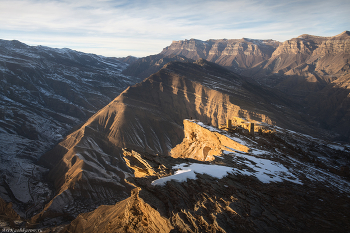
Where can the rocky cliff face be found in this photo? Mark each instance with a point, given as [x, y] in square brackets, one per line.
[299, 56]
[44, 93]
[233, 54]
[315, 71]
[309, 55]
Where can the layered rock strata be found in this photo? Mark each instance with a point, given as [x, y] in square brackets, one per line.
[236, 54]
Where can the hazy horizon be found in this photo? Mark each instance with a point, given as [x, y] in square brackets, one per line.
[141, 28]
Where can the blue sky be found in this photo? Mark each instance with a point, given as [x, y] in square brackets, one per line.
[145, 27]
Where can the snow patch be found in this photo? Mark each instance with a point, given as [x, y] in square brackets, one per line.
[188, 171]
[336, 147]
[265, 170]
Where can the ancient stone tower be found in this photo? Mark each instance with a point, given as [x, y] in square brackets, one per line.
[251, 128]
[229, 124]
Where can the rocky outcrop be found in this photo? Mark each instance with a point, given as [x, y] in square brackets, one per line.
[129, 215]
[138, 164]
[202, 144]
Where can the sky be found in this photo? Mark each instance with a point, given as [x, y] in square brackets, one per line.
[118, 28]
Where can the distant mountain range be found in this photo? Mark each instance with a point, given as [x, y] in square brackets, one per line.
[123, 132]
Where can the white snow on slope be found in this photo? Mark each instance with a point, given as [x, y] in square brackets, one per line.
[188, 171]
[336, 147]
[265, 170]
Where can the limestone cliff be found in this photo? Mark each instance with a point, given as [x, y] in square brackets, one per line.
[314, 71]
[235, 54]
[308, 54]
[299, 56]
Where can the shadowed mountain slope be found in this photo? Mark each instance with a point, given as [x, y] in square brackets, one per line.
[146, 66]
[148, 117]
[44, 93]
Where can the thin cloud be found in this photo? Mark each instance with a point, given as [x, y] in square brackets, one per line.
[122, 26]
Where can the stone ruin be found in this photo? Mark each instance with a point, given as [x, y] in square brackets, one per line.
[241, 125]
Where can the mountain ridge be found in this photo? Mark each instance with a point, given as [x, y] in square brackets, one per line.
[44, 93]
[148, 117]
